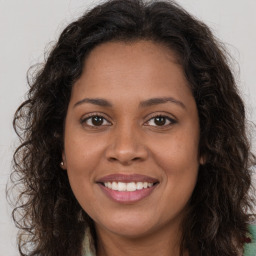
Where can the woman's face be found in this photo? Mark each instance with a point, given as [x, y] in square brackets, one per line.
[131, 139]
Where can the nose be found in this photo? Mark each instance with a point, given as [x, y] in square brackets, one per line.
[126, 147]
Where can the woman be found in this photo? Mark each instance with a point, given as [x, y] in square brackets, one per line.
[134, 141]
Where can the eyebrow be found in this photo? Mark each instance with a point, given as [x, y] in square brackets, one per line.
[156, 101]
[94, 101]
[147, 103]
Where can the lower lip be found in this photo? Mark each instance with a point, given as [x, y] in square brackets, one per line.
[127, 196]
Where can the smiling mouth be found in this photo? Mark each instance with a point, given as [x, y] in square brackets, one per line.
[127, 188]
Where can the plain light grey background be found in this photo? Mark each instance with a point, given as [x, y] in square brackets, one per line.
[27, 27]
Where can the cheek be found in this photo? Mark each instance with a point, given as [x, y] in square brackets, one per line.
[82, 159]
[178, 153]
[82, 162]
[180, 172]
[180, 167]
[178, 158]
[82, 152]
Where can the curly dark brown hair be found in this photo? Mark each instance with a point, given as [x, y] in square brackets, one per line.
[50, 220]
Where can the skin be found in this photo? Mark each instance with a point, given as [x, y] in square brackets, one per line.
[130, 141]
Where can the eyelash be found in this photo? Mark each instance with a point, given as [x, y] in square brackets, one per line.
[92, 115]
[166, 118]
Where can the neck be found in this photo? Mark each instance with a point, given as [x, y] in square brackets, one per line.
[166, 243]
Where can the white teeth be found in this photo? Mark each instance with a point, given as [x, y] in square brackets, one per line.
[140, 185]
[130, 186]
[121, 186]
[114, 185]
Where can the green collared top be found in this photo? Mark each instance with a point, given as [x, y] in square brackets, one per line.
[249, 247]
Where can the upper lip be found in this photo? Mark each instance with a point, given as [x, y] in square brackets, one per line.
[127, 178]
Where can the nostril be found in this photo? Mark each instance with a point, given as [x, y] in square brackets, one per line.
[136, 158]
[125, 154]
[112, 159]
[125, 161]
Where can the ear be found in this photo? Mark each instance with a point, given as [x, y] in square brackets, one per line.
[202, 160]
[63, 164]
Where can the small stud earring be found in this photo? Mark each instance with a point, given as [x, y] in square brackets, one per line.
[61, 164]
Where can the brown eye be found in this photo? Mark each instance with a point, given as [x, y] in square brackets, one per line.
[95, 121]
[160, 121]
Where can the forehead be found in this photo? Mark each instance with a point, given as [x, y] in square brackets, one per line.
[136, 69]
[135, 53]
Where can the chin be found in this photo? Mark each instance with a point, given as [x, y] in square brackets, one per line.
[132, 227]
[131, 231]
